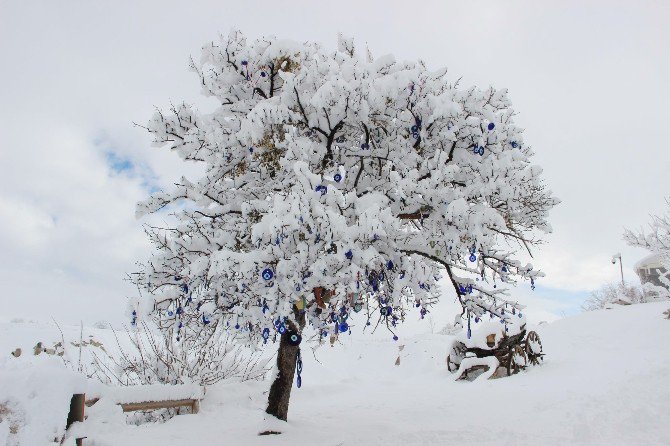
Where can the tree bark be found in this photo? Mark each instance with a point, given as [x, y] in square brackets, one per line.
[280, 391]
[287, 355]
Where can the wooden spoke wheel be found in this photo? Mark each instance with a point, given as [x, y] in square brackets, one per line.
[534, 348]
[518, 360]
[455, 356]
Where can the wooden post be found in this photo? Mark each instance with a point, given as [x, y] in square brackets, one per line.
[77, 404]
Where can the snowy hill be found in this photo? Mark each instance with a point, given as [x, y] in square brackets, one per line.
[605, 381]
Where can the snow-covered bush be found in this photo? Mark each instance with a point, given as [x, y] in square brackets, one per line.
[613, 293]
[149, 356]
[336, 183]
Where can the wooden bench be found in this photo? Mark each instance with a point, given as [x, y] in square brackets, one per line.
[133, 399]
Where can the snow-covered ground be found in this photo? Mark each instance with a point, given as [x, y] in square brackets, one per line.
[605, 381]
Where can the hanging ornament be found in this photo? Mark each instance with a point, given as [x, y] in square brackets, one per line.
[268, 274]
[337, 177]
[321, 188]
[294, 338]
[481, 151]
[386, 311]
[358, 306]
[205, 320]
[395, 338]
[491, 126]
[266, 335]
[298, 368]
[514, 144]
[473, 257]
[281, 328]
[343, 327]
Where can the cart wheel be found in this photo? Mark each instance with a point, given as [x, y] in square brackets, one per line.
[518, 359]
[456, 355]
[534, 348]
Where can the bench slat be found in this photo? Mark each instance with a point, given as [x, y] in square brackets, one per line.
[152, 405]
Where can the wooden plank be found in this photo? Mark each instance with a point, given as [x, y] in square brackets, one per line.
[153, 405]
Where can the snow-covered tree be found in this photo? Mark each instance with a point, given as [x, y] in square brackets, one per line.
[612, 293]
[656, 240]
[334, 183]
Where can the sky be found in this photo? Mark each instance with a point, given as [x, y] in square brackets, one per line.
[588, 80]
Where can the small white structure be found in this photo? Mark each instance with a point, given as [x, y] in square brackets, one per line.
[649, 269]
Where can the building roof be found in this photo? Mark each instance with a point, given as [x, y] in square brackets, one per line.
[650, 261]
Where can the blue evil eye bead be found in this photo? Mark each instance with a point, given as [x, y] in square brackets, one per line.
[339, 139]
[180, 325]
[184, 288]
[395, 338]
[244, 63]
[263, 74]
[205, 320]
[281, 328]
[298, 381]
[294, 338]
[475, 150]
[349, 255]
[502, 321]
[386, 311]
[476, 319]
[473, 257]
[491, 126]
[358, 307]
[251, 150]
[462, 289]
[415, 135]
[268, 274]
[337, 178]
[177, 278]
[324, 333]
[266, 333]
[520, 315]
[481, 151]
[514, 144]
[389, 265]
[365, 146]
[343, 327]
[415, 129]
[469, 333]
[170, 313]
[423, 312]
[180, 310]
[237, 326]
[504, 269]
[417, 304]
[321, 188]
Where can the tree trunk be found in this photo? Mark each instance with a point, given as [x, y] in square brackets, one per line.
[280, 391]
